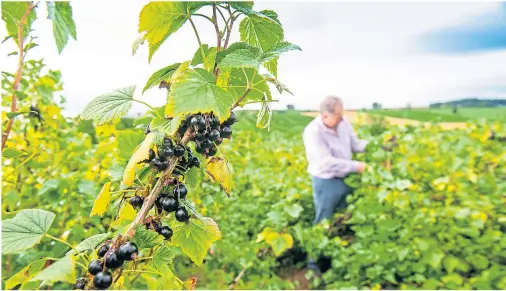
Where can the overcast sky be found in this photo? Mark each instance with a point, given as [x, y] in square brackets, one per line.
[392, 53]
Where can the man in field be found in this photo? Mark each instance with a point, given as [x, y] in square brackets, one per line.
[330, 141]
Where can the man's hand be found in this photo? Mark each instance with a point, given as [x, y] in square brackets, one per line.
[361, 167]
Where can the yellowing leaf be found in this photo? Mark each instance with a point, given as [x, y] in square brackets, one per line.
[102, 200]
[219, 170]
[278, 242]
[160, 19]
[25, 274]
[140, 154]
[195, 237]
[190, 283]
[127, 213]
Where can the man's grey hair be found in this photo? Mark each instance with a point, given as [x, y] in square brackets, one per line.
[329, 104]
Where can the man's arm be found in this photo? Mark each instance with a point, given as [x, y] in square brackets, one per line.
[320, 157]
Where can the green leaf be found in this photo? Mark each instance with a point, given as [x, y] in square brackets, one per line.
[49, 185]
[145, 238]
[20, 95]
[261, 31]
[14, 53]
[162, 257]
[241, 58]
[257, 84]
[161, 19]
[127, 141]
[279, 86]
[451, 263]
[264, 116]
[163, 74]
[29, 46]
[24, 275]
[90, 243]
[197, 56]
[169, 127]
[294, 210]
[278, 49]
[10, 153]
[169, 281]
[192, 92]
[271, 14]
[191, 178]
[25, 230]
[63, 270]
[11, 115]
[12, 12]
[232, 48]
[60, 13]
[195, 237]
[242, 4]
[210, 59]
[272, 67]
[109, 106]
[135, 45]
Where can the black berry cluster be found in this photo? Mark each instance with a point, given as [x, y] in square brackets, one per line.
[112, 259]
[208, 133]
[157, 226]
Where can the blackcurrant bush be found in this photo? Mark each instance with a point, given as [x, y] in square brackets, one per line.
[128, 251]
[170, 204]
[166, 232]
[102, 250]
[180, 191]
[226, 132]
[179, 150]
[102, 280]
[182, 214]
[214, 135]
[95, 266]
[212, 151]
[136, 201]
[80, 284]
[196, 162]
[231, 120]
[113, 261]
[206, 144]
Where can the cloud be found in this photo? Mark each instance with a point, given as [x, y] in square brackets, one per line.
[485, 32]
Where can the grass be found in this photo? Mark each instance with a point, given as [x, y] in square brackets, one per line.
[445, 114]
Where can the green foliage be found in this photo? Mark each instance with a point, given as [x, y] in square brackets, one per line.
[109, 106]
[25, 230]
[163, 74]
[62, 270]
[12, 13]
[145, 238]
[90, 243]
[63, 23]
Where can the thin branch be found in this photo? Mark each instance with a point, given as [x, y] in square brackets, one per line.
[198, 39]
[205, 16]
[222, 16]
[150, 107]
[17, 79]
[63, 242]
[216, 28]
[248, 89]
[261, 101]
[236, 279]
[229, 28]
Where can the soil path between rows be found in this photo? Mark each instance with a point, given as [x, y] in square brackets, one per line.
[359, 117]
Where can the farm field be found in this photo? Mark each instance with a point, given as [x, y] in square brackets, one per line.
[445, 114]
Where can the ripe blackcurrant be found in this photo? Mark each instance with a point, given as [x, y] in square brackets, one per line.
[231, 120]
[179, 150]
[166, 232]
[206, 144]
[128, 251]
[171, 181]
[113, 261]
[167, 142]
[182, 214]
[159, 199]
[165, 152]
[80, 283]
[226, 132]
[170, 204]
[199, 149]
[196, 162]
[214, 135]
[152, 154]
[156, 163]
[102, 250]
[182, 128]
[164, 165]
[183, 163]
[102, 280]
[215, 122]
[200, 135]
[197, 122]
[95, 266]
[136, 201]
[180, 191]
[212, 151]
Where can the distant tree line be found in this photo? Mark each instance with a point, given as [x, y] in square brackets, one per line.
[470, 102]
